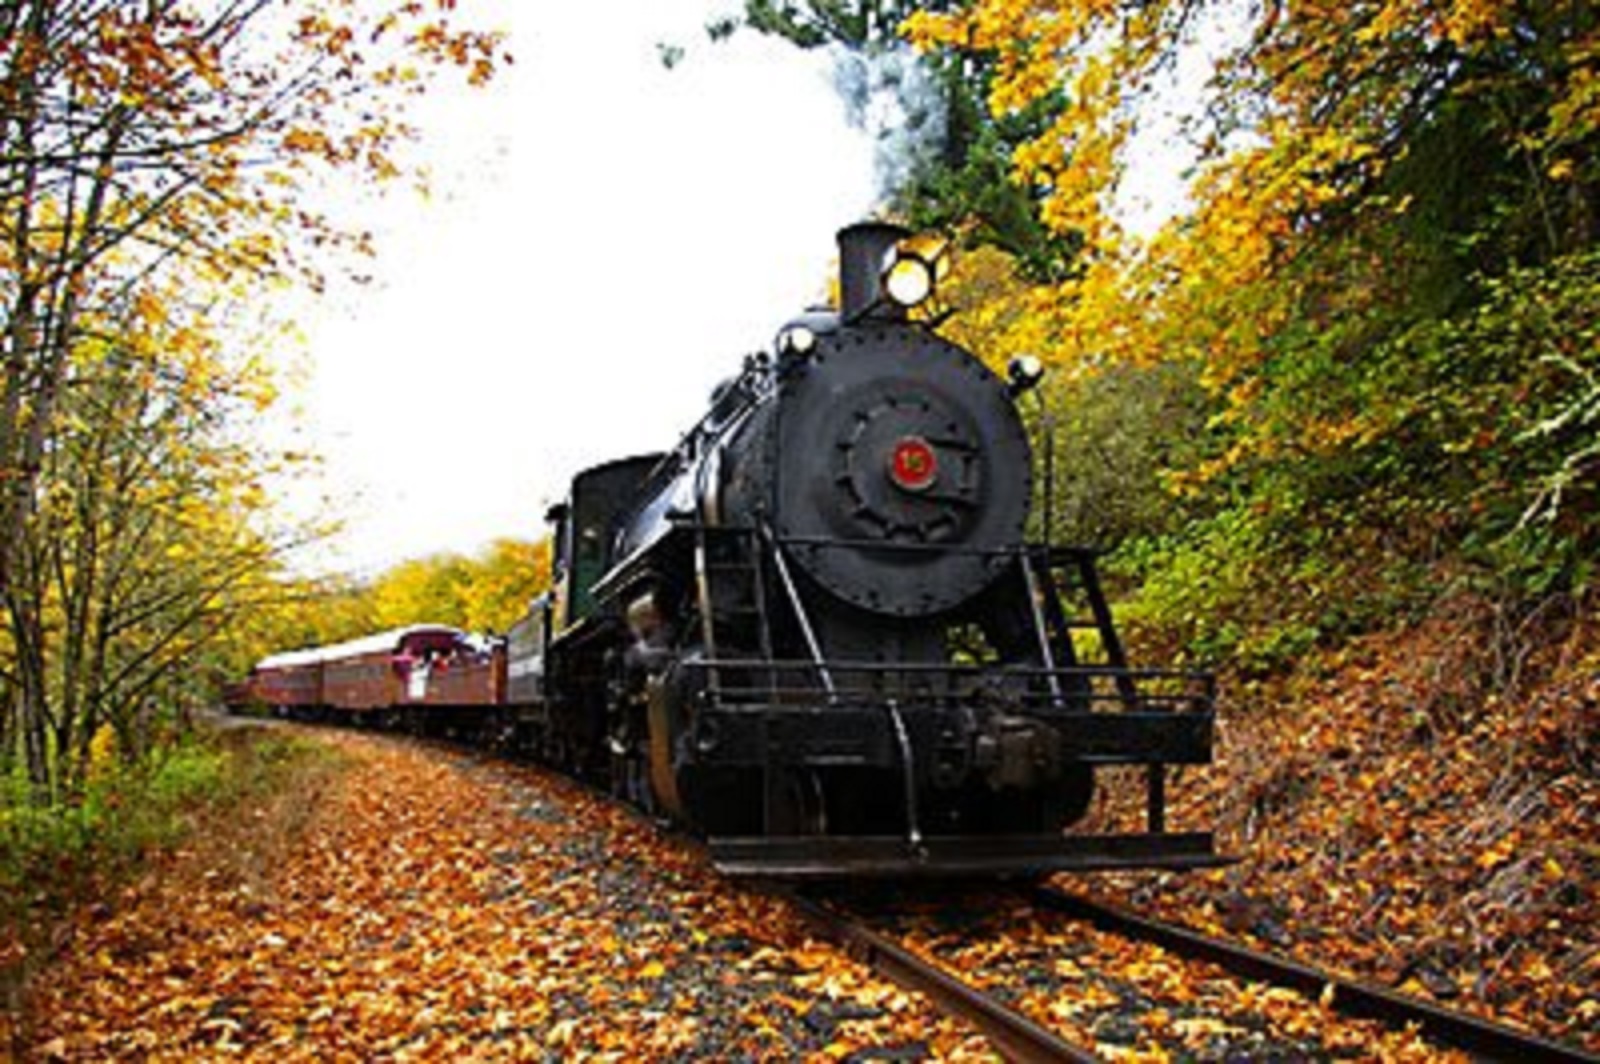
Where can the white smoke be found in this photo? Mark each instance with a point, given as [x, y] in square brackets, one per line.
[890, 95]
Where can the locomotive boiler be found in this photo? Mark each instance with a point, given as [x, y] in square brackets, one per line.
[816, 631]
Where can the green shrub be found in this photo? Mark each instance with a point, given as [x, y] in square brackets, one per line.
[1257, 585]
[50, 852]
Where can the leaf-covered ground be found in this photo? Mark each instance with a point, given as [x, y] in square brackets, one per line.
[1422, 811]
[428, 904]
[1395, 819]
[1131, 1000]
[442, 907]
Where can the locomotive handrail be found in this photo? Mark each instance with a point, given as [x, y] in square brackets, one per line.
[1035, 599]
[1054, 555]
[819, 662]
[1172, 709]
[1154, 690]
[843, 543]
[1170, 704]
[975, 669]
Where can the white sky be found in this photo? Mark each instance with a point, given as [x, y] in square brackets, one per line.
[606, 240]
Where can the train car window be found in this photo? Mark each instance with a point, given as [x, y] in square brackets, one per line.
[591, 546]
[598, 495]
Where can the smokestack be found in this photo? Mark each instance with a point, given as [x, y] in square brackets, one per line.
[861, 250]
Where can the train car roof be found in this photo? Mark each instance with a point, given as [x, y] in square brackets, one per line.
[367, 644]
[286, 659]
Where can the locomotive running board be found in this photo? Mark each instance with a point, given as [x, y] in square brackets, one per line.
[822, 857]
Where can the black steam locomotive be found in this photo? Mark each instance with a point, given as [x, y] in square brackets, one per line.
[815, 631]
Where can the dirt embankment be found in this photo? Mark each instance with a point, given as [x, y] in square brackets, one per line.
[1421, 810]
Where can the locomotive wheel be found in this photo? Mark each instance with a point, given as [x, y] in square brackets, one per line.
[783, 802]
[722, 801]
[1071, 802]
[978, 809]
[796, 803]
[1044, 811]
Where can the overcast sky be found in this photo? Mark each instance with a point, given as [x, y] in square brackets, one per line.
[606, 240]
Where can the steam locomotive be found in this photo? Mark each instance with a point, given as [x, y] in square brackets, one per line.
[816, 633]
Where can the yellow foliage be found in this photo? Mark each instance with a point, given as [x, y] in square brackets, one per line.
[484, 593]
[102, 752]
[1320, 116]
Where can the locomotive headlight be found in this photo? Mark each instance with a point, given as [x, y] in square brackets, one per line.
[797, 340]
[907, 277]
[1024, 373]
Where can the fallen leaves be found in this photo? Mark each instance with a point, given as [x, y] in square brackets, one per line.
[1133, 1000]
[1401, 825]
[440, 907]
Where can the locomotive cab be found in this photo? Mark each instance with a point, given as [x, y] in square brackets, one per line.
[584, 529]
[579, 633]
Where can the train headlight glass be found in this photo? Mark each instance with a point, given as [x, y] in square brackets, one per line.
[907, 277]
[1024, 373]
[797, 340]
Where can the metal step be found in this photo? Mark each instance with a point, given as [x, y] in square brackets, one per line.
[830, 856]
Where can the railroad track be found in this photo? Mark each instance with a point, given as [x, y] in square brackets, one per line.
[1013, 1035]
[1449, 1027]
[1018, 1037]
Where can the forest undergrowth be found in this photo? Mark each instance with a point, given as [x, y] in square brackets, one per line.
[224, 802]
[1417, 809]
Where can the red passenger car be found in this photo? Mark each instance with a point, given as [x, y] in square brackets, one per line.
[422, 664]
[288, 681]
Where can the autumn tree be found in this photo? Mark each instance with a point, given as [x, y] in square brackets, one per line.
[138, 550]
[155, 154]
[505, 577]
[1104, 435]
[138, 133]
[944, 157]
[420, 590]
[487, 592]
[288, 611]
[1385, 281]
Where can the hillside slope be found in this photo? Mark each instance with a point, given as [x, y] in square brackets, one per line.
[1421, 810]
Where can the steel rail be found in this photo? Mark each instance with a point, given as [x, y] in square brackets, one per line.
[1473, 1034]
[1012, 1034]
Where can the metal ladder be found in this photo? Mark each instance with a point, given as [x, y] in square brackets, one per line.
[732, 594]
[1058, 571]
[1061, 564]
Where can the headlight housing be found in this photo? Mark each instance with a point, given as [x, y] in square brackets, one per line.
[1024, 373]
[907, 277]
[796, 341]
